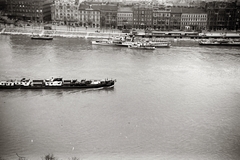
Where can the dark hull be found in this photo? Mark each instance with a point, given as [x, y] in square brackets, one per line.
[161, 46]
[42, 38]
[219, 44]
[59, 87]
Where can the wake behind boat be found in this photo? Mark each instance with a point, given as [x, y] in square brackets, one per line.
[55, 83]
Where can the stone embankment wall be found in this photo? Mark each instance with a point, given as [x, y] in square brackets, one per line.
[92, 34]
[58, 33]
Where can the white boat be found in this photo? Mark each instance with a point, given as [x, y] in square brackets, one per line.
[220, 42]
[124, 44]
[42, 37]
[103, 42]
[160, 44]
[141, 46]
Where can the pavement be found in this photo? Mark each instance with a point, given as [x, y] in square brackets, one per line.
[102, 30]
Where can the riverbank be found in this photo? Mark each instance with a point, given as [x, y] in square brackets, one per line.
[59, 33]
[104, 34]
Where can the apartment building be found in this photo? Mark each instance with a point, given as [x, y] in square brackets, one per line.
[142, 16]
[221, 15]
[65, 12]
[161, 17]
[108, 15]
[193, 18]
[175, 20]
[89, 15]
[37, 10]
[125, 17]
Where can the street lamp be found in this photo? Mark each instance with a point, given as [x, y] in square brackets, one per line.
[216, 20]
[142, 24]
[228, 27]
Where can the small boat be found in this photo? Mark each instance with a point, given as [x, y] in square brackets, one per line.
[220, 42]
[122, 41]
[141, 46]
[55, 83]
[103, 42]
[160, 44]
[124, 44]
[42, 37]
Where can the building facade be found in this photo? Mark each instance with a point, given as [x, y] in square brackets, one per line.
[238, 16]
[65, 12]
[2, 5]
[38, 10]
[108, 17]
[221, 15]
[142, 16]
[124, 17]
[89, 16]
[175, 20]
[193, 19]
[161, 17]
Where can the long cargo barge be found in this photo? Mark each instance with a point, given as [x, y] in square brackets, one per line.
[220, 42]
[55, 83]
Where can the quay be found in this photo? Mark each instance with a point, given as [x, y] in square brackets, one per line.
[81, 32]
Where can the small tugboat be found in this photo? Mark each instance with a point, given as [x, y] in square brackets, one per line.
[220, 42]
[55, 83]
[42, 37]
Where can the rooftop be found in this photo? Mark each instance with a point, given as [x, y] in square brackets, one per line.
[125, 9]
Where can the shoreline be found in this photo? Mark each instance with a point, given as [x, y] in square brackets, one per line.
[107, 35]
[59, 33]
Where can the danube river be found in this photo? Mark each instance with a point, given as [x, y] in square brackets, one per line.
[172, 103]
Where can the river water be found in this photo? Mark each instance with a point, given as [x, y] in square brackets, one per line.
[172, 103]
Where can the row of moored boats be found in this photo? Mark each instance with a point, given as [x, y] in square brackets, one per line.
[146, 44]
[130, 43]
[220, 42]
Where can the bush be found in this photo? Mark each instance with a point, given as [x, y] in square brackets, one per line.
[49, 157]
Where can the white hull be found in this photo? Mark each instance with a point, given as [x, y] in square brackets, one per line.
[104, 43]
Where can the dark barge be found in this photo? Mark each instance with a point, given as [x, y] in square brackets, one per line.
[42, 37]
[220, 42]
[55, 83]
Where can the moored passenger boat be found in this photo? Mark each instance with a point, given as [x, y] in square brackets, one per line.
[42, 37]
[55, 83]
[160, 44]
[141, 46]
[157, 43]
[220, 42]
[123, 44]
[103, 42]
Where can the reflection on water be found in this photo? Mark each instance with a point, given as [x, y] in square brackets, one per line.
[177, 103]
[57, 92]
